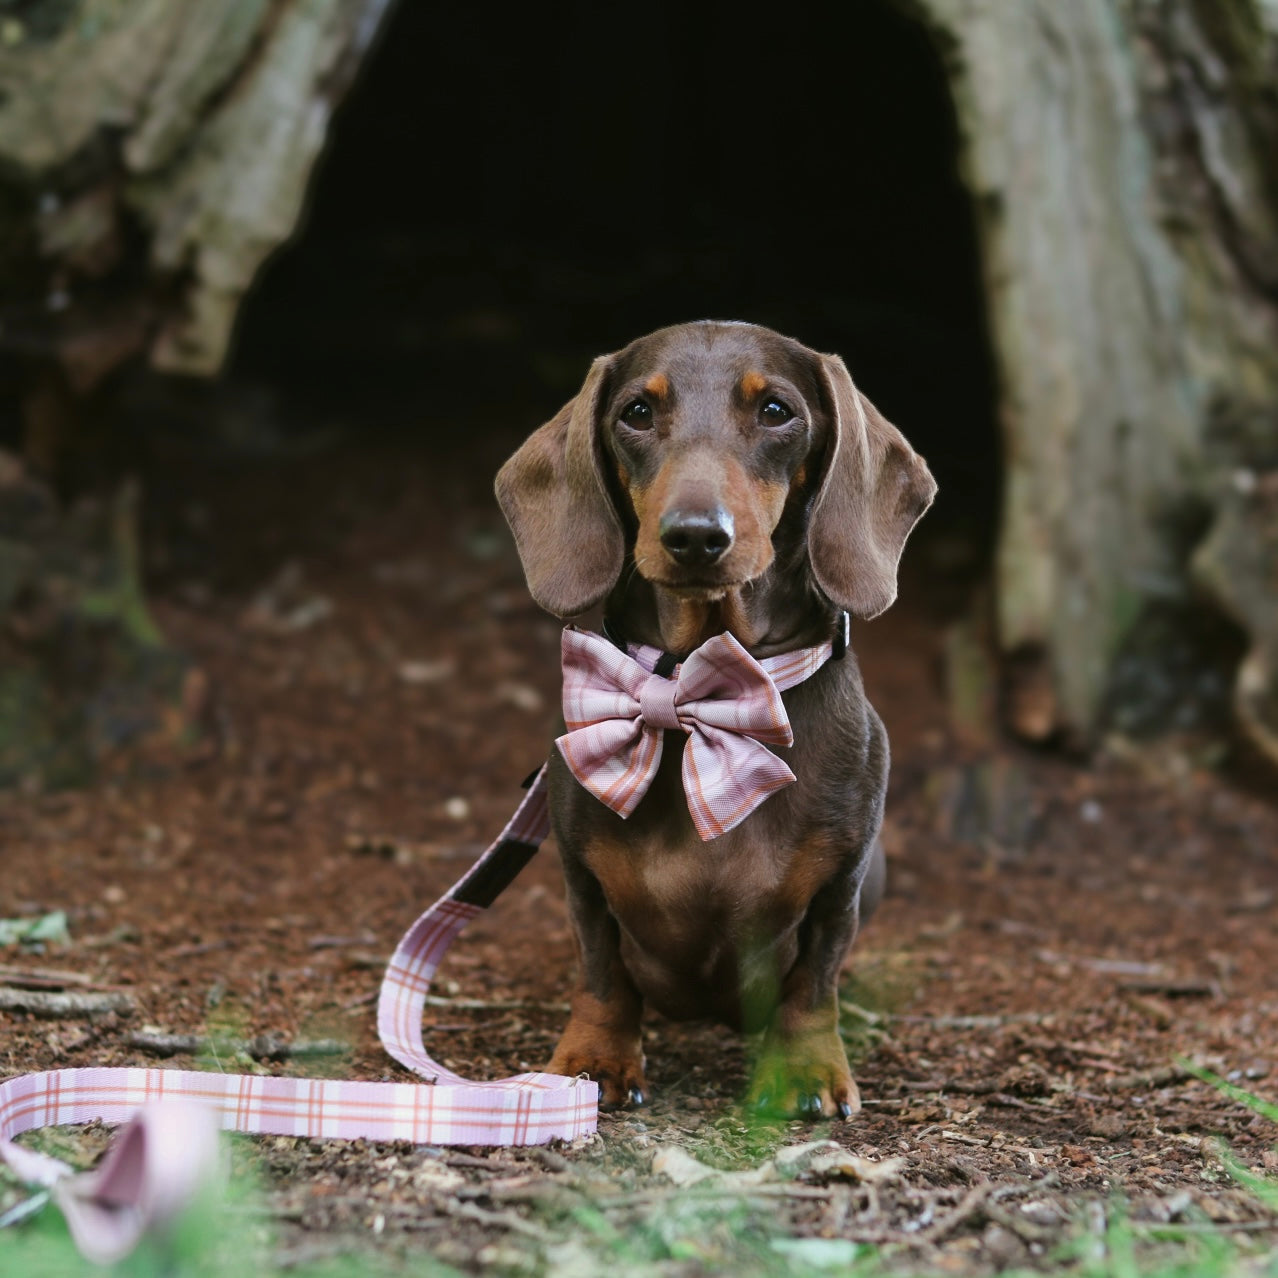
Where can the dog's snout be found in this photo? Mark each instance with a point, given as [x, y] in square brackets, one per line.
[696, 538]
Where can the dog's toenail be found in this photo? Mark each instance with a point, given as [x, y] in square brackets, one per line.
[845, 1110]
[636, 1096]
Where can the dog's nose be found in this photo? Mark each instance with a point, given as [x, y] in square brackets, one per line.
[696, 538]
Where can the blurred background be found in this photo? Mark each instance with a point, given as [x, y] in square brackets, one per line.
[1045, 242]
[284, 282]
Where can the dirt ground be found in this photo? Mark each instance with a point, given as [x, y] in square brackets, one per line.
[1060, 948]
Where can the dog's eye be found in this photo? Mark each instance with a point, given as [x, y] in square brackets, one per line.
[637, 415]
[775, 412]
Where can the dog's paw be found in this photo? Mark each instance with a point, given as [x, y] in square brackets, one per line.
[620, 1078]
[804, 1077]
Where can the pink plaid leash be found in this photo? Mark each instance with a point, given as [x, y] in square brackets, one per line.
[157, 1162]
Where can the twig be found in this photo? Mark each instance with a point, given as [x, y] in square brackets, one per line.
[1207, 1227]
[1173, 989]
[36, 978]
[262, 1048]
[1105, 966]
[203, 947]
[974, 1202]
[166, 1044]
[63, 1005]
[962, 1138]
[496, 1219]
[974, 1022]
[643, 1197]
[473, 1162]
[1042, 1108]
[1159, 1077]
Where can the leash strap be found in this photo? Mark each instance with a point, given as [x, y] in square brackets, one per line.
[525, 1109]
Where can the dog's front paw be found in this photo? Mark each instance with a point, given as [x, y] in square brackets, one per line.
[604, 1044]
[804, 1076]
[620, 1076]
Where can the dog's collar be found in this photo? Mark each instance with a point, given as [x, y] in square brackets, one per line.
[658, 661]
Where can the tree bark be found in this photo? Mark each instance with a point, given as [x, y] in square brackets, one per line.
[152, 154]
[1121, 157]
[181, 129]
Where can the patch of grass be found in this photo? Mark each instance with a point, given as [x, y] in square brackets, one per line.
[1240, 1094]
[725, 1237]
[1132, 1249]
[1265, 1188]
[880, 985]
[1194, 1249]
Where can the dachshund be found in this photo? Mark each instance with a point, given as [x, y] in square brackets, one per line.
[719, 478]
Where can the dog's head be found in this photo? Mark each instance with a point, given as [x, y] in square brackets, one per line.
[690, 448]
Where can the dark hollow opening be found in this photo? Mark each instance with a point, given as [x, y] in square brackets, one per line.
[501, 201]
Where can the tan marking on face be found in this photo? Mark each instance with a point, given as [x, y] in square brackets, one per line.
[658, 386]
[649, 502]
[734, 619]
[772, 500]
[702, 481]
[687, 628]
[752, 384]
[747, 499]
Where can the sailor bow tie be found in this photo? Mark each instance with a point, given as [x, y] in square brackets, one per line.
[617, 711]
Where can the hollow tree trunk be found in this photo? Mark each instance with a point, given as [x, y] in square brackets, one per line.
[1123, 160]
[1120, 155]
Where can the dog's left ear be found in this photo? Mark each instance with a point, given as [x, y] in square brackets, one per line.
[874, 489]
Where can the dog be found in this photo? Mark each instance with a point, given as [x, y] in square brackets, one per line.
[720, 479]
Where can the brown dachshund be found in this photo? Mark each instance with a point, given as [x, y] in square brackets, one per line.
[717, 477]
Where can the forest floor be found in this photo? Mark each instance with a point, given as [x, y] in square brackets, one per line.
[1063, 950]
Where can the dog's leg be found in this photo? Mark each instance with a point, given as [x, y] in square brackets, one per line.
[602, 1038]
[802, 1067]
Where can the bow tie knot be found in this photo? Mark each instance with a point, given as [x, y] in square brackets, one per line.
[657, 702]
[618, 712]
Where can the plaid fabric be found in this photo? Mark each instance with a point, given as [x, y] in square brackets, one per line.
[525, 1109]
[617, 711]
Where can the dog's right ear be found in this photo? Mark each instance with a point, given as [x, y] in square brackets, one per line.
[553, 495]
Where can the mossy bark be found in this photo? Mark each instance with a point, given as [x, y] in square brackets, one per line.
[1120, 155]
[86, 680]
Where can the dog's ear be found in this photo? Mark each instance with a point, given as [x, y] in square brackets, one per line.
[873, 490]
[553, 495]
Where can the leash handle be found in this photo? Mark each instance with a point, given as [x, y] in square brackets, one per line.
[108, 1210]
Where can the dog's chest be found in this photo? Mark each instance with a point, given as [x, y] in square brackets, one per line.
[669, 889]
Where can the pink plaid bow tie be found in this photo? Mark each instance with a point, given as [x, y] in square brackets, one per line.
[617, 712]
